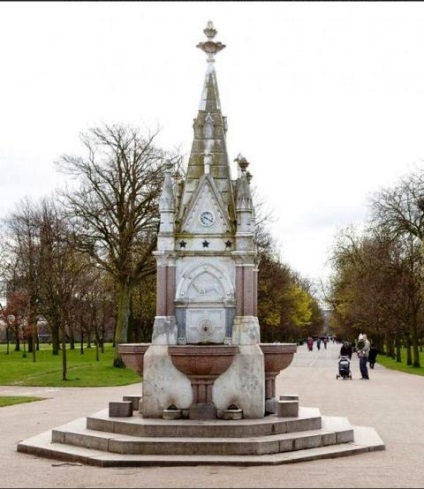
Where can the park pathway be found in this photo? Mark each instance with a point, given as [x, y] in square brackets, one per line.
[390, 402]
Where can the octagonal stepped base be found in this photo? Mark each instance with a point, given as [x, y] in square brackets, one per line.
[137, 442]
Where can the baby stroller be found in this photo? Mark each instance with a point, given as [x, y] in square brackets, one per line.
[344, 368]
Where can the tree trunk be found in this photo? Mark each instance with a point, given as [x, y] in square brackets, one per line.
[55, 338]
[398, 348]
[64, 363]
[7, 341]
[30, 342]
[389, 345]
[72, 340]
[121, 332]
[415, 352]
[97, 346]
[34, 336]
[408, 351]
[132, 328]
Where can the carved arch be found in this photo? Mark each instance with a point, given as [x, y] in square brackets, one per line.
[206, 283]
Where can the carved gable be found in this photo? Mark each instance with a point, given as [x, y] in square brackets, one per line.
[206, 214]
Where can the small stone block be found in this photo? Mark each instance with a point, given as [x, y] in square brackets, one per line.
[232, 414]
[135, 401]
[202, 410]
[171, 414]
[270, 405]
[287, 409]
[289, 397]
[120, 409]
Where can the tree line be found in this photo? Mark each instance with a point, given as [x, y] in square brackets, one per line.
[82, 259]
[377, 283]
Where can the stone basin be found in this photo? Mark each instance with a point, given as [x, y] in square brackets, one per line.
[202, 360]
[132, 355]
[277, 357]
[202, 364]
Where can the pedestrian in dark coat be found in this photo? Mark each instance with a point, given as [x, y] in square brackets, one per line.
[346, 350]
[372, 355]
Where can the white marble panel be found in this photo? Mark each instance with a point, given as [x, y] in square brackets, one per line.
[205, 325]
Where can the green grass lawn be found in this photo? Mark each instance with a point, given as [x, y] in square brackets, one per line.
[402, 367]
[11, 400]
[83, 370]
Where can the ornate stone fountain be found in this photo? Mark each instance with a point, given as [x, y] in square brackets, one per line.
[205, 354]
[205, 361]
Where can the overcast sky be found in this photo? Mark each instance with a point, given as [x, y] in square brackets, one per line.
[324, 99]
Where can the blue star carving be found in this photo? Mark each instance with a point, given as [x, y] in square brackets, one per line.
[228, 244]
[205, 244]
[182, 244]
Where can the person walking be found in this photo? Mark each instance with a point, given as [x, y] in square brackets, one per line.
[363, 348]
[346, 350]
[372, 355]
[310, 343]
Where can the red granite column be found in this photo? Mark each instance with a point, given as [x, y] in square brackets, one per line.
[161, 291]
[255, 291]
[170, 290]
[239, 290]
[248, 290]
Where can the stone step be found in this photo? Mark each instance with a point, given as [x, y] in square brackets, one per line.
[308, 419]
[365, 439]
[338, 430]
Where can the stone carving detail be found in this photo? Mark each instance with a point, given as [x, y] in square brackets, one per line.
[208, 127]
[205, 283]
[206, 286]
[205, 298]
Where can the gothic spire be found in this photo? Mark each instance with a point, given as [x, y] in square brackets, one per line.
[209, 151]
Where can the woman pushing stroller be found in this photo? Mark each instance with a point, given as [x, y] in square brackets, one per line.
[346, 350]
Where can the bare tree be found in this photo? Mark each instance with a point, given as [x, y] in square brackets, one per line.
[377, 288]
[114, 211]
[61, 271]
[13, 316]
[23, 264]
[400, 209]
[400, 212]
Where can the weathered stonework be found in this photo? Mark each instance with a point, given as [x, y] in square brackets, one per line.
[207, 268]
[205, 360]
